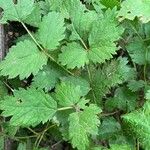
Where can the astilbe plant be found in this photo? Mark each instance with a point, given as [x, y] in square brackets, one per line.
[86, 68]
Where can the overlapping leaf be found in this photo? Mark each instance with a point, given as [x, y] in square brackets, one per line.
[101, 36]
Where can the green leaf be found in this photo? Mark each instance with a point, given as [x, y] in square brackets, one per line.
[22, 146]
[81, 124]
[2, 141]
[73, 55]
[16, 12]
[139, 123]
[78, 81]
[123, 99]
[137, 8]
[47, 77]
[99, 148]
[110, 4]
[82, 20]
[109, 128]
[68, 94]
[139, 51]
[51, 31]
[3, 90]
[102, 37]
[28, 107]
[134, 85]
[9, 130]
[120, 147]
[34, 19]
[112, 73]
[22, 60]
[87, 20]
[59, 6]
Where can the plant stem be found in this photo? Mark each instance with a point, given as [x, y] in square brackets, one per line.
[64, 108]
[137, 144]
[25, 137]
[89, 72]
[8, 86]
[42, 49]
[33, 131]
[42, 134]
[109, 114]
[145, 65]
[90, 79]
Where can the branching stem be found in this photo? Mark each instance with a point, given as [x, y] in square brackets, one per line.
[43, 50]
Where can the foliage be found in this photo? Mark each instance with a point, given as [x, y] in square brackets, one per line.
[79, 77]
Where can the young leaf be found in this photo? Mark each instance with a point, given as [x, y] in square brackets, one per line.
[68, 94]
[28, 107]
[102, 37]
[22, 60]
[130, 9]
[51, 30]
[16, 12]
[73, 55]
[81, 124]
